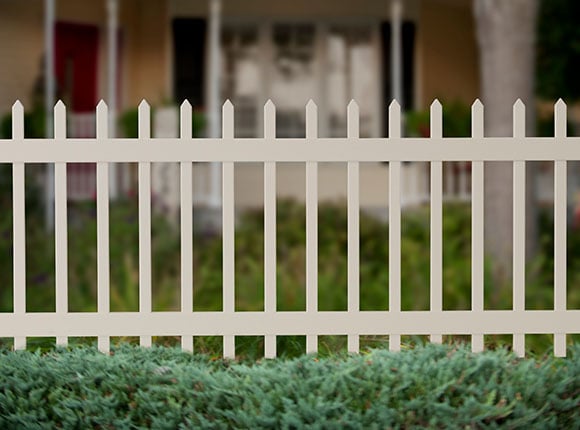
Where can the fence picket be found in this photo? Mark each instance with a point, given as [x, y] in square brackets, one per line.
[353, 209]
[145, 305]
[477, 211]
[311, 224]
[394, 225]
[228, 230]
[436, 251]
[270, 228]
[18, 220]
[103, 263]
[60, 220]
[560, 204]
[519, 226]
[186, 218]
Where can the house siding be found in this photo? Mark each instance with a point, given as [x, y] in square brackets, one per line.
[21, 47]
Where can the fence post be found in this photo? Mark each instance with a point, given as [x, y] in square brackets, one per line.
[270, 227]
[186, 229]
[103, 264]
[436, 249]
[311, 224]
[18, 224]
[228, 230]
[519, 225]
[394, 225]
[477, 211]
[60, 221]
[353, 224]
[144, 221]
[560, 205]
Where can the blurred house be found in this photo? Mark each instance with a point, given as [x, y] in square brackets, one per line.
[329, 51]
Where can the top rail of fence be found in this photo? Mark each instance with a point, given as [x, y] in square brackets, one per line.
[271, 148]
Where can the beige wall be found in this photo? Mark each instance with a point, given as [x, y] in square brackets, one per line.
[146, 50]
[21, 39]
[291, 183]
[447, 52]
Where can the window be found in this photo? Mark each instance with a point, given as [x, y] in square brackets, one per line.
[291, 63]
[350, 75]
[293, 79]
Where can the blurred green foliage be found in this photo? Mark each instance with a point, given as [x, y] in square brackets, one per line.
[291, 257]
[34, 124]
[129, 121]
[558, 50]
[456, 121]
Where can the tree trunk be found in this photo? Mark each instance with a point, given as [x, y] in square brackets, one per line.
[506, 36]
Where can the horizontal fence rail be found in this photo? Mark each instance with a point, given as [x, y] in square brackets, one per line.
[270, 150]
[288, 150]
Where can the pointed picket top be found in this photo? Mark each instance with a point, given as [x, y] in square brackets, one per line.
[102, 123]
[269, 120]
[560, 103]
[311, 104]
[394, 119]
[352, 104]
[477, 119]
[394, 105]
[185, 120]
[102, 106]
[436, 119]
[17, 106]
[560, 114]
[519, 119]
[144, 113]
[311, 119]
[59, 120]
[228, 120]
[17, 120]
[352, 120]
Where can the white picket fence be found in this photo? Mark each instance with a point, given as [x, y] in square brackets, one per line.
[311, 150]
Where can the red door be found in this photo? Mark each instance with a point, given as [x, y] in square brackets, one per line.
[76, 54]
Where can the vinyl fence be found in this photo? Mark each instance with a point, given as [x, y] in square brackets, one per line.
[310, 150]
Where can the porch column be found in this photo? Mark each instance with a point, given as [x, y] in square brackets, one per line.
[112, 42]
[396, 51]
[49, 99]
[214, 108]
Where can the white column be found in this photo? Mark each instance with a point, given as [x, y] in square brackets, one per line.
[49, 96]
[112, 42]
[407, 186]
[396, 51]
[214, 94]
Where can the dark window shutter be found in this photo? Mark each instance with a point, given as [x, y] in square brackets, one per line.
[408, 42]
[189, 35]
[408, 30]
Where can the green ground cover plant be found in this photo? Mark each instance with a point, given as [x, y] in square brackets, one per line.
[430, 386]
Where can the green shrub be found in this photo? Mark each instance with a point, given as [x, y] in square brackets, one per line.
[429, 386]
[291, 258]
